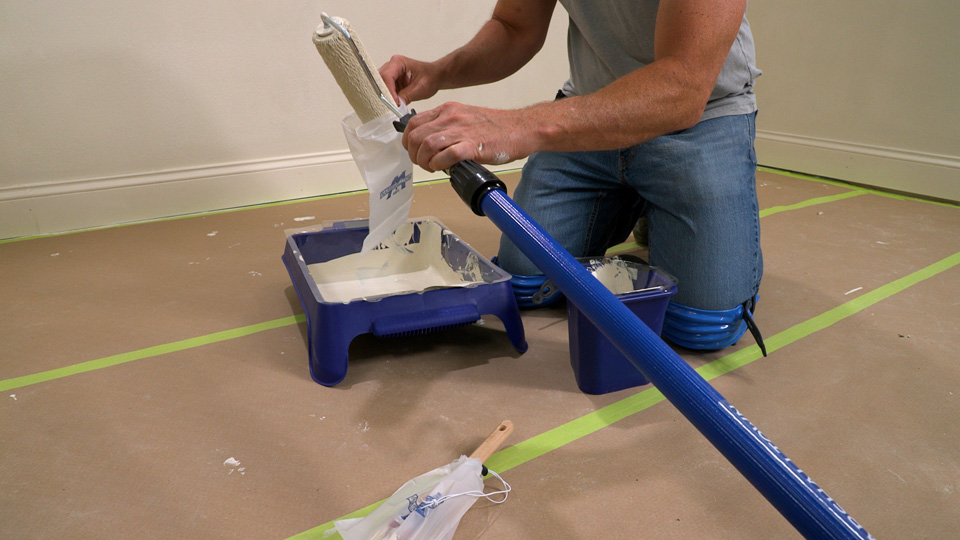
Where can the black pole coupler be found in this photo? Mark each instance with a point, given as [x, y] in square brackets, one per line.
[470, 179]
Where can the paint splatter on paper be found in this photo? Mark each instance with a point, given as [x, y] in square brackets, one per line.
[234, 465]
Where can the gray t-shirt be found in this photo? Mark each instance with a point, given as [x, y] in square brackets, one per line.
[609, 38]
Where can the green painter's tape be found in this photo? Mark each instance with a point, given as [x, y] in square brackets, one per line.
[559, 436]
[620, 248]
[855, 191]
[318, 531]
[43, 376]
[810, 202]
[239, 332]
[860, 188]
[562, 435]
[631, 245]
[794, 333]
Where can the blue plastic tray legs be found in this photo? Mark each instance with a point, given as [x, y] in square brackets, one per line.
[807, 507]
[331, 328]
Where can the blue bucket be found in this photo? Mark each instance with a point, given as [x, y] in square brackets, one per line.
[598, 365]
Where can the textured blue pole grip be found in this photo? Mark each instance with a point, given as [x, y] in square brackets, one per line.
[807, 507]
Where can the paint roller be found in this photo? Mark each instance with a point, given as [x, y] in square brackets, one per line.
[350, 65]
[807, 507]
[348, 61]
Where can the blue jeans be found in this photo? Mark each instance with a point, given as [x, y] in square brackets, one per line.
[696, 187]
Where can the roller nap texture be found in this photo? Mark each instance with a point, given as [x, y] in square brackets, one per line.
[338, 54]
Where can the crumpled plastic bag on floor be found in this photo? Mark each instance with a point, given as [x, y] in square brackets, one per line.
[429, 507]
[386, 170]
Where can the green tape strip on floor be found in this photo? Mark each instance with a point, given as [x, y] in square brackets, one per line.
[802, 176]
[627, 246]
[91, 365]
[620, 248]
[233, 333]
[811, 202]
[546, 442]
[857, 187]
[794, 333]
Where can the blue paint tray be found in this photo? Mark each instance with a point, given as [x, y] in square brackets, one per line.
[598, 365]
[424, 280]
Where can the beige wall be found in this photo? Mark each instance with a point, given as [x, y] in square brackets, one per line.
[862, 90]
[120, 111]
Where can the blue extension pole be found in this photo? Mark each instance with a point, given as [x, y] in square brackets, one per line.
[807, 507]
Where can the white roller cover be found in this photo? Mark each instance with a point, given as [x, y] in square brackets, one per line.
[340, 58]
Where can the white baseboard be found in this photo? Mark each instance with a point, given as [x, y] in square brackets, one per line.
[60, 206]
[69, 205]
[54, 207]
[931, 175]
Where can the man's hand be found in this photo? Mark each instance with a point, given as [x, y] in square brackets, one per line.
[410, 80]
[438, 138]
[512, 36]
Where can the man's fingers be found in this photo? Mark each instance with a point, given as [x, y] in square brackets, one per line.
[440, 137]
[454, 154]
[416, 132]
[422, 151]
[395, 75]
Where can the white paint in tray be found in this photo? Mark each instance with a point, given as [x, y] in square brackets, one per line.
[393, 270]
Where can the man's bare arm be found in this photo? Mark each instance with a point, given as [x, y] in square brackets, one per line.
[514, 34]
[693, 38]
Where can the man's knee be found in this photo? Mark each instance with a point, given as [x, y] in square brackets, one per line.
[710, 330]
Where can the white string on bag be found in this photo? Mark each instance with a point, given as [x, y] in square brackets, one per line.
[430, 501]
[429, 507]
